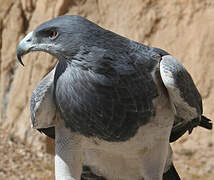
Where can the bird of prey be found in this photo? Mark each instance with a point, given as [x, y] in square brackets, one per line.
[113, 105]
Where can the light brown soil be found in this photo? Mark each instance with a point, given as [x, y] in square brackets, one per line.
[194, 155]
[21, 162]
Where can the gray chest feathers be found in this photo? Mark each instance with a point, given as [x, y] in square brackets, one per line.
[109, 107]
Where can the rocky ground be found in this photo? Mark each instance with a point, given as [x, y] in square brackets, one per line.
[21, 162]
[194, 155]
[194, 158]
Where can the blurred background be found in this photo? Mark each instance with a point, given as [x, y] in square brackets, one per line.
[184, 28]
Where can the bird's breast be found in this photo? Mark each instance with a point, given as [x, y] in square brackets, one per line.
[93, 107]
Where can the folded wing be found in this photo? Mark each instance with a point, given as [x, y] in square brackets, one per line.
[42, 106]
[184, 98]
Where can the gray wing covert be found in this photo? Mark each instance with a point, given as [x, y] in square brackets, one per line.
[184, 97]
[183, 94]
[42, 106]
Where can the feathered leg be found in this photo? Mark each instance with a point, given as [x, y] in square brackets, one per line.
[68, 155]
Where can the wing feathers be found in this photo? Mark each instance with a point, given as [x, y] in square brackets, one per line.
[181, 88]
[42, 106]
[184, 98]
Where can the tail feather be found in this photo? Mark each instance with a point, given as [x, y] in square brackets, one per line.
[180, 128]
[50, 132]
[177, 132]
[205, 123]
[87, 174]
[171, 174]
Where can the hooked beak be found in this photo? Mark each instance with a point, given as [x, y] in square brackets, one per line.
[24, 47]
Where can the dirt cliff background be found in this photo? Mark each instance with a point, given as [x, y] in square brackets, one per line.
[184, 28]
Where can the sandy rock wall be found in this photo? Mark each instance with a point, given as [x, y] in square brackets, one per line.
[183, 28]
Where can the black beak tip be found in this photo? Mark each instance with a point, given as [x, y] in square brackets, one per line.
[19, 56]
[20, 60]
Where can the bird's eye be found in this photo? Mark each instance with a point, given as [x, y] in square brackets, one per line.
[53, 35]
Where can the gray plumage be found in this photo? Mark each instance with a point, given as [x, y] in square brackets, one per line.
[42, 106]
[109, 89]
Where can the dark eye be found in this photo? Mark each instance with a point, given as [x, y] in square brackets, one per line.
[53, 35]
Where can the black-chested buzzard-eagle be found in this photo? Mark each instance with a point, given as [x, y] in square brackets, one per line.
[113, 105]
